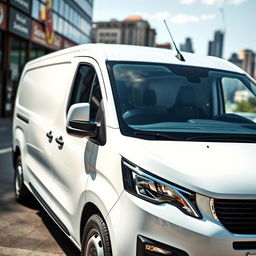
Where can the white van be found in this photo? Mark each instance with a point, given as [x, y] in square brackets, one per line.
[134, 152]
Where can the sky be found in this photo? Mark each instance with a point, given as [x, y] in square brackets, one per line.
[197, 19]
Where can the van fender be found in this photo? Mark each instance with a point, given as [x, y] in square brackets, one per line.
[18, 141]
[102, 193]
[103, 190]
[103, 196]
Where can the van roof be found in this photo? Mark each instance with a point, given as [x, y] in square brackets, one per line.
[116, 52]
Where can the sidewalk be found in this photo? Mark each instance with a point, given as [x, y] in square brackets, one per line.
[25, 230]
[5, 133]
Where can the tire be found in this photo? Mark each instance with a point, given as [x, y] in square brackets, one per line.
[22, 194]
[96, 240]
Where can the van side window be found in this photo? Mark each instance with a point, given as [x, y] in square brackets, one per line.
[82, 86]
[87, 89]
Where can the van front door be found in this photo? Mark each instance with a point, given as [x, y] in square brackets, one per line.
[72, 154]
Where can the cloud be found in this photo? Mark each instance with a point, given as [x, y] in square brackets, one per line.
[179, 19]
[212, 2]
[237, 2]
[160, 16]
[188, 1]
[184, 18]
[208, 16]
[221, 2]
[143, 15]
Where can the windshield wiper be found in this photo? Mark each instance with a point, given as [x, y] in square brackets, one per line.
[225, 138]
[155, 134]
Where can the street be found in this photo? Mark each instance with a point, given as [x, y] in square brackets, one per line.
[25, 230]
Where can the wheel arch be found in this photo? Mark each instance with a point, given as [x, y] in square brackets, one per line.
[94, 204]
[18, 144]
[88, 210]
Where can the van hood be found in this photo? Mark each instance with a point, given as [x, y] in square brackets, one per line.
[220, 170]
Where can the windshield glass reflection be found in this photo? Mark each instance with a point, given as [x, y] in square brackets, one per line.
[176, 98]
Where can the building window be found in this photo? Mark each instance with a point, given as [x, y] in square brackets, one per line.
[35, 9]
[37, 51]
[55, 5]
[55, 22]
[61, 8]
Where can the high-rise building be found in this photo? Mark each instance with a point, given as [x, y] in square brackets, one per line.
[210, 48]
[133, 31]
[215, 47]
[248, 61]
[235, 60]
[245, 60]
[32, 28]
[187, 46]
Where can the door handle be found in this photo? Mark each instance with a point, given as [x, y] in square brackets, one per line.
[60, 142]
[49, 136]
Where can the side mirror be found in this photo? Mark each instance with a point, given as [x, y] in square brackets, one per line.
[78, 121]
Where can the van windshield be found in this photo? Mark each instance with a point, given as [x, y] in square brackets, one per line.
[183, 102]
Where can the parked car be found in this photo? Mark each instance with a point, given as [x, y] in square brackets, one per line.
[131, 151]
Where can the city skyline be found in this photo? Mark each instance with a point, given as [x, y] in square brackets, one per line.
[197, 19]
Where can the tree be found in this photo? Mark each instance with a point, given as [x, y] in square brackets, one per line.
[248, 106]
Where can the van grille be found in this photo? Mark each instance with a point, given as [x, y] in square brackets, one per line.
[237, 216]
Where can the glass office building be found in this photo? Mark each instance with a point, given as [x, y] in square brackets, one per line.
[23, 36]
[69, 18]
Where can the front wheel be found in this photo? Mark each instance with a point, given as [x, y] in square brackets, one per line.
[96, 240]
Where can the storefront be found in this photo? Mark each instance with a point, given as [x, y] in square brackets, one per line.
[21, 39]
[38, 36]
[17, 54]
[3, 27]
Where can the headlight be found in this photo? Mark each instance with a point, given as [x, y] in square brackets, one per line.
[144, 185]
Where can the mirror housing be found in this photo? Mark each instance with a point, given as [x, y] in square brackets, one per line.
[78, 121]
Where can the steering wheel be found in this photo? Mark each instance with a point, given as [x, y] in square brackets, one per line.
[233, 118]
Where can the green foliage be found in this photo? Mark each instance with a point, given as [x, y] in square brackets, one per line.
[247, 106]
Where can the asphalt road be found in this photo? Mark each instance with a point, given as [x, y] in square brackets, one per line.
[25, 230]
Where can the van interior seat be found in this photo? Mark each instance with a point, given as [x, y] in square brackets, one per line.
[185, 107]
[123, 96]
[149, 97]
[148, 112]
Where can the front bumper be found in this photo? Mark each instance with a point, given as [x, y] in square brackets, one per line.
[132, 217]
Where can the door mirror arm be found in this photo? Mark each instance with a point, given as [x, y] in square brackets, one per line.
[83, 128]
